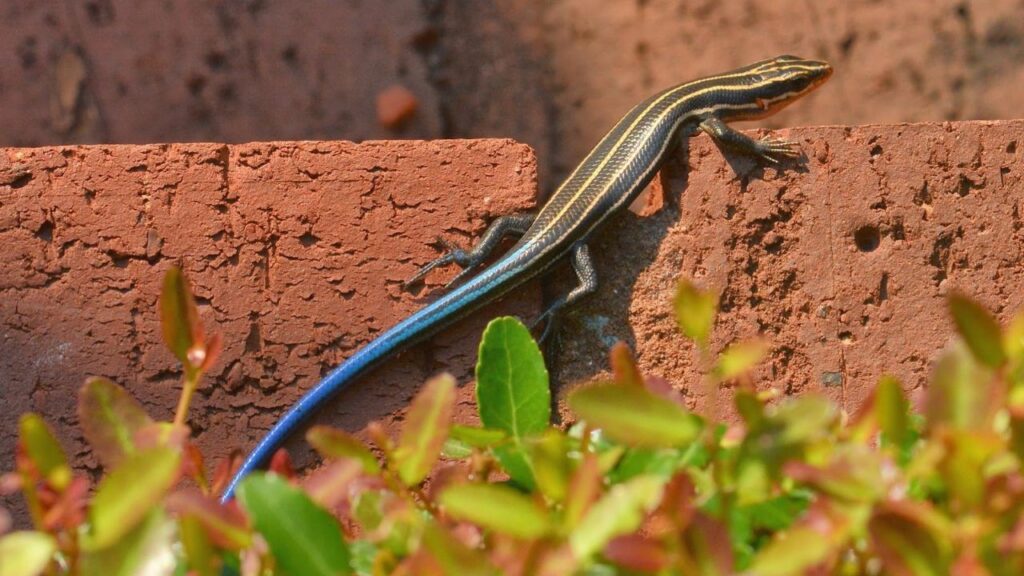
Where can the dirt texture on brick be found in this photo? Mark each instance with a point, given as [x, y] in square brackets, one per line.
[296, 252]
[842, 262]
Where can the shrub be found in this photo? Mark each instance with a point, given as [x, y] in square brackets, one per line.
[638, 485]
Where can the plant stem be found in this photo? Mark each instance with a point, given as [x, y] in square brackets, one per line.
[190, 382]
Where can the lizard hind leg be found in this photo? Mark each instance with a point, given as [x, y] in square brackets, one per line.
[584, 268]
[468, 260]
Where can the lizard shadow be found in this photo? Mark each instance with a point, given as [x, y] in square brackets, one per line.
[623, 250]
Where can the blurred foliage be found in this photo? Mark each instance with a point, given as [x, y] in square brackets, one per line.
[639, 484]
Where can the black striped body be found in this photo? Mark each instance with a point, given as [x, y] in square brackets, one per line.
[607, 180]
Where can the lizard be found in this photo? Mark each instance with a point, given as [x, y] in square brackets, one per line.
[608, 179]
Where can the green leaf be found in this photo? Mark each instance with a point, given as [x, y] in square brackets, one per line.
[496, 508]
[456, 449]
[334, 443]
[147, 549]
[511, 380]
[979, 330]
[620, 511]
[425, 429]
[478, 437]
[304, 538]
[179, 317]
[43, 449]
[910, 538]
[792, 552]
[968, 450]
[516, 463]
[695, 312]
[25, 553]
[110, 417]
[958, 390]
[454, 556]
[806, 418]
[363, 554]
[739, 358]
[893, 411]
[128, 493]
[197, 546]
[1013, 337]
[549, 455]
[634, 416]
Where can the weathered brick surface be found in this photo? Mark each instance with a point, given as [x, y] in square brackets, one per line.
[135, 71]
[943, 200]
[296, 251]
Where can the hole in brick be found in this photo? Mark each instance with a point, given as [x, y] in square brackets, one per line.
[21, 179]
[119, 260]
[867, 238]
[1011, 148]
[215, 60]
[195, 84]
[27, 53]
[99, 12]
[876, 150]
[226, 93]
[307, 239]
[846, 337]
[45, 232]
[290, 54]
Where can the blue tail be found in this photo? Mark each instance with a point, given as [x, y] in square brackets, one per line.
[488, 286]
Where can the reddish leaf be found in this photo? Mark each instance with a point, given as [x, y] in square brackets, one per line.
[328, 486]
[584, 490]
[281, 464]
[225, 471]
[910, 538]
[452, 556]
[678, 500]
[707, 544]
[179, 319]
[636, 552]
[68, 510]
[979, 330]
[214, 346]
[425, 429]
[162, 434]
[624, 368]
[110, 418]
[41, 446]
[225, 524]
[332, 443]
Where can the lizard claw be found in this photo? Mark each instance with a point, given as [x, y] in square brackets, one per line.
[773, 151]
[452, 254]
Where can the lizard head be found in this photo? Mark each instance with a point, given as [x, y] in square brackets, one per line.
[773, 84]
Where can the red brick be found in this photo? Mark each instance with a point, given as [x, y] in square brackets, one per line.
[296, 250]
[945, 199]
